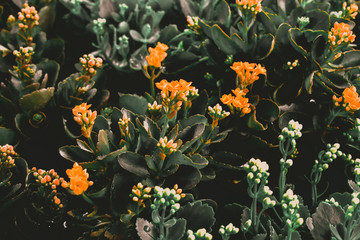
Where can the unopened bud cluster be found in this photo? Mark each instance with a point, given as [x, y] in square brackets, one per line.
[292, 131]
[216, 113]
[23, 59]
[288, 138]
[332, 201]
[89, 64]
[290, 205]
[245, 227]
[249, 6]
[353, 208]
[7, 156]
[154, 110]
[193, 23]
[167, 147]
[124, 125]
[28, 17]
[267, 201]
[98, 25]
[47, 183]
[353, 134]
[230, 229]
[200, 234]
[167, 198]
[257, 171]
[139, 194]
[291, 65]
[327, 156]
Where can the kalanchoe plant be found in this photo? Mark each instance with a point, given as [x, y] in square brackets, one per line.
[287, 145]
[290, 206]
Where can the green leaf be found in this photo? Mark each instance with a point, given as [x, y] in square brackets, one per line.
[264, 47]
[197, 161]
[196, 119]
[343, 199]
[294, 36]
[102, 145]
[197, 215]
[265, 19]
[134, 163]
[53, 49]
[136, 35]
[36, 100]
[334, 232]
[309, 82]
[75, 154]
[168, 33]
[7, 136]
[349, 59]
[189, 8]
[267, 110]
[177, 231]
[84, 146]
[170, 223]
[113, 155]
[190, 135]
[222, 40]
[319, 20]
[150, 163]
[134, 103]
[155, 216]
[100, 124]
[51, 68]
[253, 123]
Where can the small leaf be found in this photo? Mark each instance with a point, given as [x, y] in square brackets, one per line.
[177, 231]
[198, 215]
[155, 216]
[196, 119]
[136, 35]
[170, 223]
[102, 145]
[189, 135]
[75, 154]
[253, 123]
[144, 229]
[334, 232]
[84, 146]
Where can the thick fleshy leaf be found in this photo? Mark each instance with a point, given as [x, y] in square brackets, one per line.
[100, 124]
[7, 136]
[196, 161]
[51, 68]
[148, 127]
[326, 214]
[84, 146]
[198, 215]
[177, 231]
[349, 59]
[267, 110]
[190, 135]
[265, 19]
[134, 103]
[102, 145]
[134, 163]
[189, 8]
[186, 177]
[264, 47]
[113, 155]
[319, 20]
[75, 154]
[296, 36]
[196, 119]
[253, 123]
[36, 100]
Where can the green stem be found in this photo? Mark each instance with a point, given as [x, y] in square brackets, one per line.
[164, 127]
[253, 214]
[161, 224]
[350, 225]
[282, 178]
[152, 80]
[289, 234]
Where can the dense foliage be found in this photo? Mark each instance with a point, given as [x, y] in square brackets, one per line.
[179, 119]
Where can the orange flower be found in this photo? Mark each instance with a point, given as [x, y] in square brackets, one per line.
[350, 11]
[253, 6]
[85, 118]
[174, 93]
[340, 34]
[78, 179]
[247, 73]
[350, 99]
[157, 55]
[239, 103]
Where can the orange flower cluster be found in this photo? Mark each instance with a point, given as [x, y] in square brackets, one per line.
[124, 125]
[252, 6]
[48, 181]
[175, 93]
[350, 99]
[78, 179]
[89, 65]
[85, 118]
[238, 103]
[349, 11]
[139, 194]
[340, 34]
[247, 73]
[7, 156]
[157, 55]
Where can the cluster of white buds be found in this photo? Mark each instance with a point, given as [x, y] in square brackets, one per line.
[327, 156]
[257, 171]
[245, 227]
[357, 171]
[292, 65]
[167, 197]
[200, 234]
[353, 209]
[303, 21]
[267, 201]
[99, 24]
[216, 113]
[332, 201]
[230, 229]
[293, 131]
[290, 205]
[154, 109]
